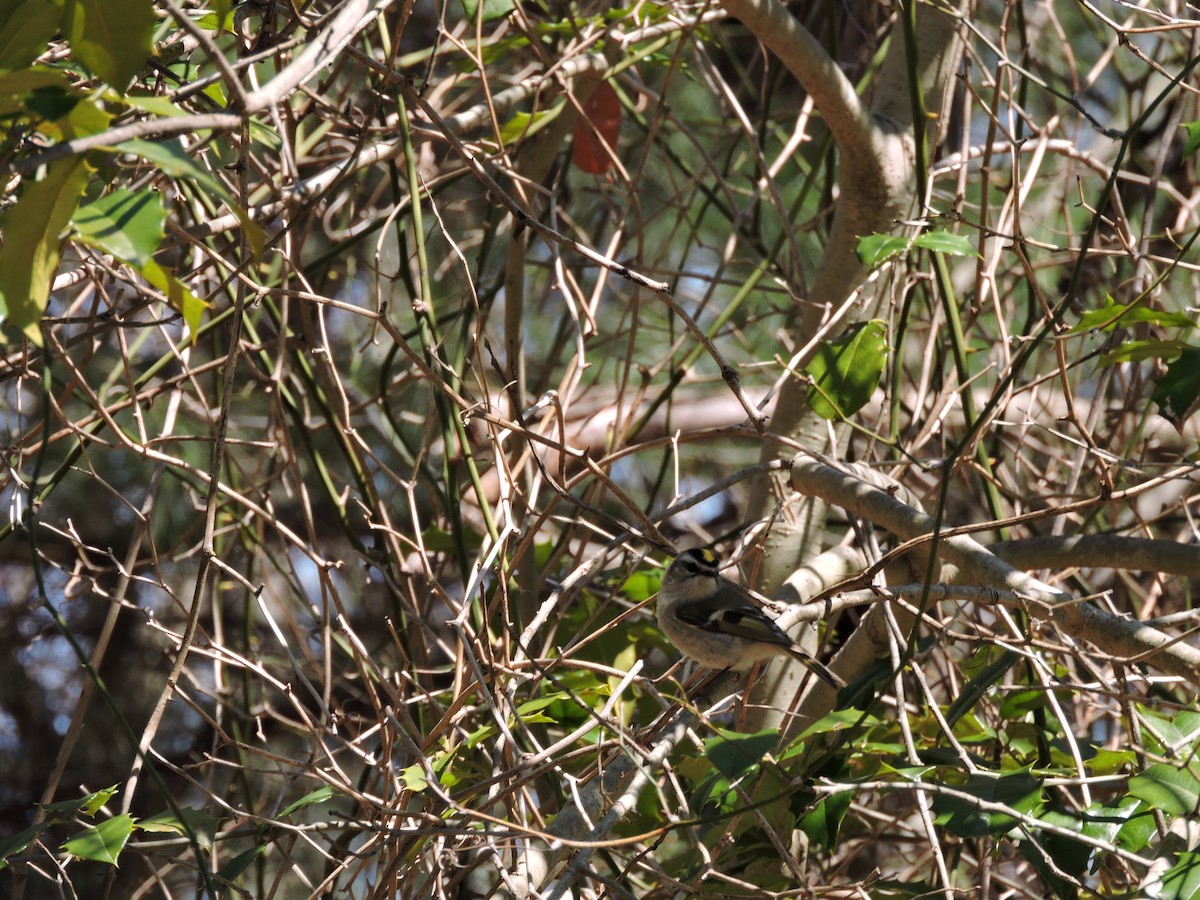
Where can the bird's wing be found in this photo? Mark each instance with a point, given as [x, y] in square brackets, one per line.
[753, 625]
[747, 621]
[699, 613]
[740, 621]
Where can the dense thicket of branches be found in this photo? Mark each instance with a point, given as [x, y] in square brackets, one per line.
[364, 359]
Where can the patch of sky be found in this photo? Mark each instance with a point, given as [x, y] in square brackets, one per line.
[703, 514]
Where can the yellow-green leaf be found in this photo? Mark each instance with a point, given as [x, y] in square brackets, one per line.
[32, 230]
[414, 778]
[63, 113]
[1193, 138]
[187, 820]
[320, 795]
[128, 225]
[183, 300]
[1113, 314]
[1137, 351]
[875, 248]
[945, 242]
[524, 124]
[87, 804]
[14, 86]
[103, 843]
[111, 37]
[25, 29]
[171, 158]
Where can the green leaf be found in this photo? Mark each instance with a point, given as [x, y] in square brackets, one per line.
[414, 778]
[642, 585]
[1113, 315]
[20, 841]
[492, 9]
[125, 224]
[1193, 138]
[945, 242]
[515, 127]
[1182, 880]
[1173, 790]
[189, 820]
[104, 842]
[713, 794]
[913, 774]
[164, 824]
[846, 371]
[32, 228]
[822, 822]
[52, 102]
[1018, 704]
[838, 720]
[177, 293]
[1176, 730]
[240, 863]
[569, 707]
[1105, 822]
[15, 86]
[1069, 855]
[222, 12]
[95, 801]
[537, 704]
[875, 248]
[25, 30]
[1019, 791]
[1141, 829]
[173, 160]
[479, 735]
[1178, 390]
[970, 729]
[111, 37]
[524, 124]
[61, 113]
[159, 106]
[320, 795]
[1109, 762]
[627, 658]
[437, 540]
[87, 804]
[736, 754]
[1136, 351]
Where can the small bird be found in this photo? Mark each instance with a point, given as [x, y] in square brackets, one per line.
[711, 620]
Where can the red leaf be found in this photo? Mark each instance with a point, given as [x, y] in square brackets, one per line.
[600, 124]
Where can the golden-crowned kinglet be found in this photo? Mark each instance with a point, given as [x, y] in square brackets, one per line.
[711, 620]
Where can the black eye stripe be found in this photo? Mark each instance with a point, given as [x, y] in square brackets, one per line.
[699, 560]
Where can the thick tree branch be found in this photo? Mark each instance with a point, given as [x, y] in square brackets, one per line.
[975, 564]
